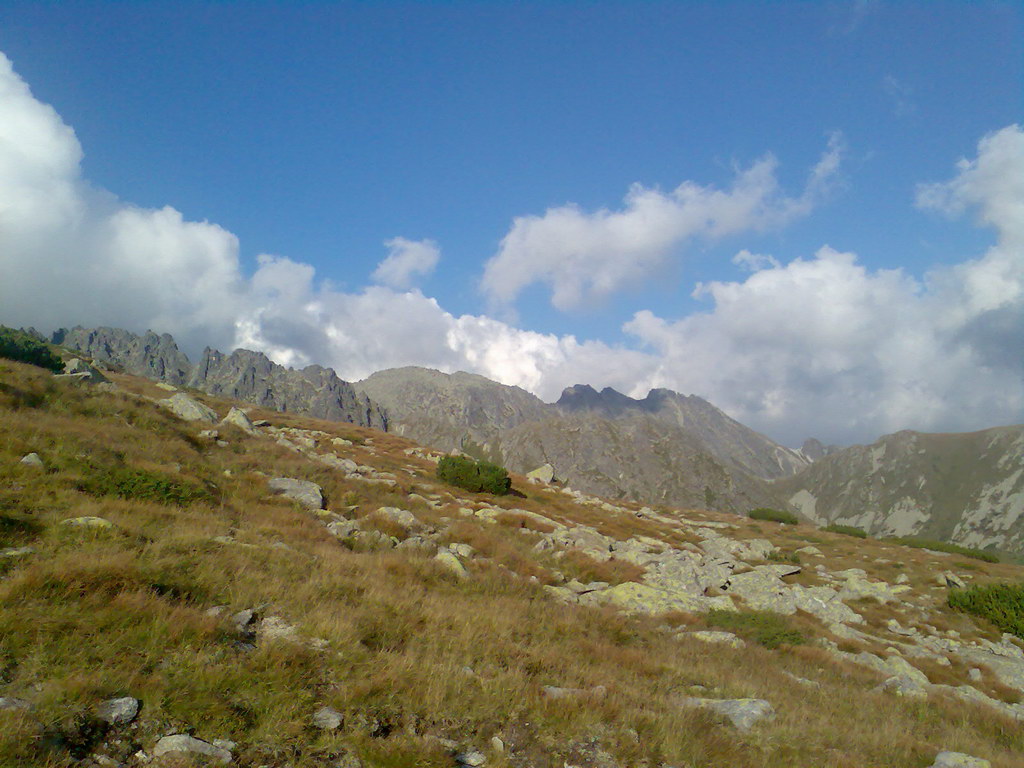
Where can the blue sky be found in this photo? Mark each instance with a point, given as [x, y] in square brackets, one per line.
[315, 133]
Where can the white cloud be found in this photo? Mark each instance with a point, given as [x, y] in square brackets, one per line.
[406, 261]
[819, 346]
[585, 256]
[752, 262]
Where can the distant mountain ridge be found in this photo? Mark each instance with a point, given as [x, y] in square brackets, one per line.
[243, 374]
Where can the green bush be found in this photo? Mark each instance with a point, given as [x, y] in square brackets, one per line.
[764, 627]
[1002, 604]
[774, 515]
[945, 546]
[475, 476]
[846, 530]
[18, 345]
[128, 483]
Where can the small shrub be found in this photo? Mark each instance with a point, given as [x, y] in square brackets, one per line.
[18, 345]
[778, 556]
[475, 476]
[945, 546]
[1002, 604]
[764, 627]
[128, 483]
[774, 516]
[846, 530]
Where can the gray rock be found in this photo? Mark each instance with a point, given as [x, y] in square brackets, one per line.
[904, 685]
[542, 474]
[473, 758]
[10, 703]
[950, 579]
[303, 492]
[88, 521]
[402, 517]
[451, 562]
[720, 638]
[182, 742]
[958, 760]
[189, 409]
[240, 419]
[16, 551]
[556, 692]
[244, 620]
[118, 711]
[742, 713]
[328, 719]
[77, 366]
[32, 460]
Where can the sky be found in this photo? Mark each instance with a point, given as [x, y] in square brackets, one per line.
[811, 214]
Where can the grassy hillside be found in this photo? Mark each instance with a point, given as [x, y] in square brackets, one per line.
[423, 664]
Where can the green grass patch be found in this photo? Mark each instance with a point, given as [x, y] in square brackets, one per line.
[764, 627]
[142, 485]
[945, 546]
[1002, 604]
[774, 516]
[846, 530]
[778, 556]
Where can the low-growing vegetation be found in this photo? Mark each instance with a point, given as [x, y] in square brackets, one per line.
[1002, 604]
[18, 345]
[475, 476]
[945, 546]
[774, 516]
[763, 627]
[846, 530]
[130, 483]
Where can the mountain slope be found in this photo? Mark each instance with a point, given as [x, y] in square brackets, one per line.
[243, 374]
[307, 593]
[965, 488]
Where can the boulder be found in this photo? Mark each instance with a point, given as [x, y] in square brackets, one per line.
[641, 598]
[904, 685]
[719, 638]
[402, 517]
[182, 742]
[32, 460]
[473, 758]
[303, 492]
[88, 521]
[240, 419]
[542, 474]
[118, 711]
[959, 760]
[742, 713]
[189, 409]
[327, 719]
[78, 367]
[445, 557]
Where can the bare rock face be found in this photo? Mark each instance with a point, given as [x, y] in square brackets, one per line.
[967, 488]
[151, 356]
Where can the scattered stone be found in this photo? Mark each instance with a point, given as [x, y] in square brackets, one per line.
[810, 551]
[32, 460]
[10, 702]
[445, 557]
[720, 638]
[903, 685]
[16, 551]
[542, 474]
[959, 760]
[461, 550]
[118, 711]
[742, 713]
[240, 419]
[974, 674]
[275, 628]
[189, 409]
[88, 521]
[243, 621]
[182, 742]
[402, 517]
[802, 680]
[304, 492]
[209, 434]
[497, 744]
[950, 579]
[166, 387]
[328, 719]
[473, 758]
[79, 368]
[903, 579]
[555, 692]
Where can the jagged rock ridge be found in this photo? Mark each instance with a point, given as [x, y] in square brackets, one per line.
[244, 375]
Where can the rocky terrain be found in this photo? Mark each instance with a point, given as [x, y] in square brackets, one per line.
[964, 488]
[244, 375]
[185, 582]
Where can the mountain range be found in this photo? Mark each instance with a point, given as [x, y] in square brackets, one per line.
[666, 448]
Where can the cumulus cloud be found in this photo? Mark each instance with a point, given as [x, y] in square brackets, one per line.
[826, 345]
[407, 260]
[584, 256]
[818, 346]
